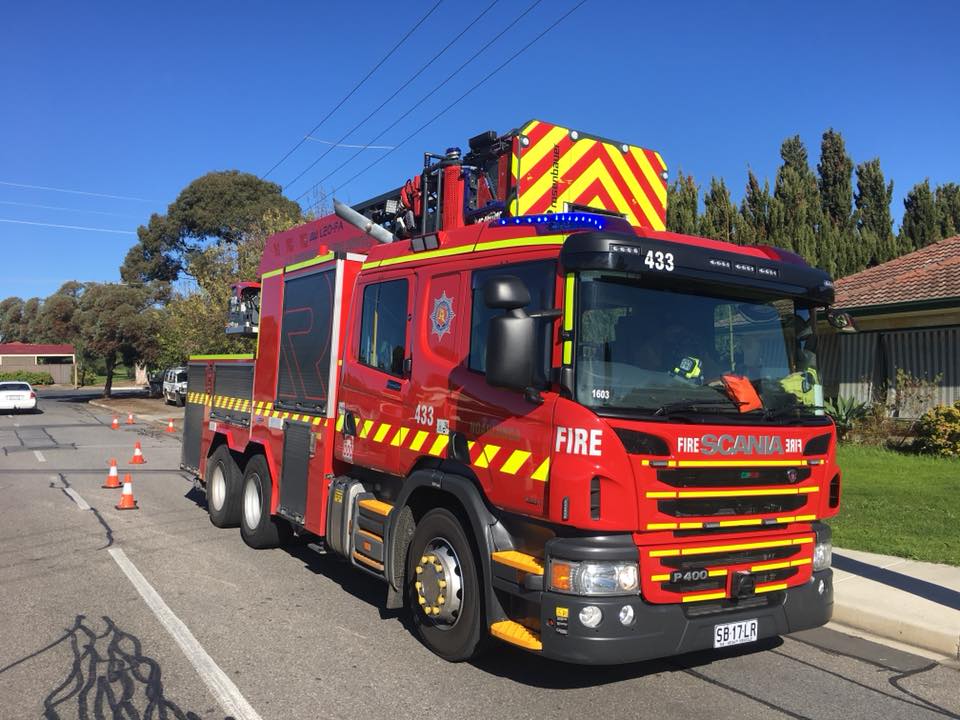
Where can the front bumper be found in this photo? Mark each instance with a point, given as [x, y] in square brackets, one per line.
[663, 630]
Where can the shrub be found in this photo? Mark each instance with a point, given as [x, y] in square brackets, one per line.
[34, 378]
[938, 431]
[845, 412]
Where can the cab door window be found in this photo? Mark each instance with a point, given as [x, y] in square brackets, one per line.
[540, 279]
[383, 326]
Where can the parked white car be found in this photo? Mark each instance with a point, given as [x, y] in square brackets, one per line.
[175, 386]
[16, 395]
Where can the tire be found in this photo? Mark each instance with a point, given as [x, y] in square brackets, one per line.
[258, 528]
[440, 535]
[224, 482]
[181, 400]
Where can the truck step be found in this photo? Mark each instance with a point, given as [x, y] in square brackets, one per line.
[516, 634]
[519, 561]
[377, 506]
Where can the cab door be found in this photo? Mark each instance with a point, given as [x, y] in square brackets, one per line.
[508, 435]
[375, 381]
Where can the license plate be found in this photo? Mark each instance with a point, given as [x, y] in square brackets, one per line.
[735, 633]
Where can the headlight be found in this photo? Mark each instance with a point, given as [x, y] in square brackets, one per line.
[822, 555]
[594, 578]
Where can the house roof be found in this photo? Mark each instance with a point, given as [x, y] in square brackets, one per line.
[19, 348]
[928, 274]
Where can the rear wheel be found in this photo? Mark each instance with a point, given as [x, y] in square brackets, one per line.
[224, 481]
[443, 588]
[257, 527]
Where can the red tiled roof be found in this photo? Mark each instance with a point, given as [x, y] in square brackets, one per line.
[930, 273]
[19, 348]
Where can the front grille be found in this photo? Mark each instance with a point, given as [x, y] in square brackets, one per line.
[732, 477]
[753, 556]
[726, 506]
[715, 607]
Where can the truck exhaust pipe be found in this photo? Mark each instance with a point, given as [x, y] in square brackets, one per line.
[377, 232]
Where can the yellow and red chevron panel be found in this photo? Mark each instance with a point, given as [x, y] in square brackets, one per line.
[510, 461]
[555, 168]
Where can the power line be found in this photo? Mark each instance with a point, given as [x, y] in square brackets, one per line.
[68, 227]
[395, 93]
[419, 102]
[355, 88]
[67, 209]
[459, 99]
[349, 145]
[73, 192]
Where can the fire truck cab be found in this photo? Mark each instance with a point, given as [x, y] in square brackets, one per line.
[508, 393]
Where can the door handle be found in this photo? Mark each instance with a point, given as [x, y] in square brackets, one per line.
[393, 385]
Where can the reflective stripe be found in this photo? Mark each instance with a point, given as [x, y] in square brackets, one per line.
[513, 463]
[382, 432]
[365, 430]
[540, 474]
[439, 444]
[418, 440]
[399, 437]
[487, 455]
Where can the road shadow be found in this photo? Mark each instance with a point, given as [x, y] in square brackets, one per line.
[530, 669]
[109, 677]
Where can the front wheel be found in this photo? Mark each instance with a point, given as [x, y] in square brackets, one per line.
[257, 527]
[443, 588]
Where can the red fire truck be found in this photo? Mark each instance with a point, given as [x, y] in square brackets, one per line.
[508, 393]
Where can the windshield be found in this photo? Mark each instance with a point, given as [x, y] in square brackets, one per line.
[658, 349]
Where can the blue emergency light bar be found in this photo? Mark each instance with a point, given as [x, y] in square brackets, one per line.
[559, 221]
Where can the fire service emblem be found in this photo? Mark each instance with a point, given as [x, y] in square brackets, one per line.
[442, 315]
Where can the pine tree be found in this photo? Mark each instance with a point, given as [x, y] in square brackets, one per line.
[754, 223]
[719, 219]
[947, 200]
[920, 226]
[796, 213]
[836, 239]
[682, 200]
[874, 221]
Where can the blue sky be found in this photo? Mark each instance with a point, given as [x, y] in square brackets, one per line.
[126, 103]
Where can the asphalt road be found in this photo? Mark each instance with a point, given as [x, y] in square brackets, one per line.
[293, 634]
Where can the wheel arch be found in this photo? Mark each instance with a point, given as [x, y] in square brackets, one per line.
[429, 488]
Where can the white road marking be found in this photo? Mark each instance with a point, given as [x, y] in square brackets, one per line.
[39, 456]
[222, 687]
[81, 503]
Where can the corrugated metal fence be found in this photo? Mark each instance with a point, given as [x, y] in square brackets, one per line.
[863, 365]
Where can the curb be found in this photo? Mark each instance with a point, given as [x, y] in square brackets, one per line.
[860, 613]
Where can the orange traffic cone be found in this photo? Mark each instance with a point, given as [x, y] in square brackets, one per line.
[115, 425]
[137, 458]
[126, 499]
[113, 480]
[170, 427]
[129, 418]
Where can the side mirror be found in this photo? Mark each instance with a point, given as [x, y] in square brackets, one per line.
[841, 321]
[512, 337]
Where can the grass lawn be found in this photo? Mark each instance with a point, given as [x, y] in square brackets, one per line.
[897, 504]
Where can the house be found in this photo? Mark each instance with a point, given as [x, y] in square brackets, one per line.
[907, 314]
[58, 360]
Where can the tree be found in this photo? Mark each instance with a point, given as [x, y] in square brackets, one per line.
[58, 320]
[11, 315]
[947, 200]
[796, 212]
[754, 225]
[119, 323]
[219, 206]
[682, 200]
[874, 221]
[836, 241]
[30, 321]
[719, 218]
[920, 226]
[194, 320]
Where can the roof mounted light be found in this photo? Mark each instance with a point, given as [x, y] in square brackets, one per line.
[557, 221]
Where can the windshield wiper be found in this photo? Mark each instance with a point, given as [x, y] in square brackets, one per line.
[694, 406]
